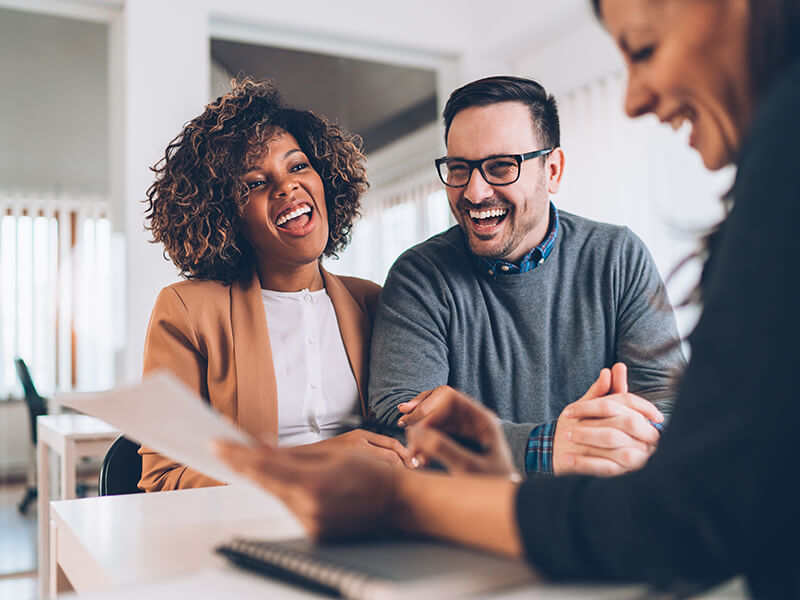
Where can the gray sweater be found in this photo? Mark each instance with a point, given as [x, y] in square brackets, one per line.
[524, 344]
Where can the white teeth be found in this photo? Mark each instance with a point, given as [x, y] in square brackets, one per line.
[487, 214]
[301, 210]
[679, 119]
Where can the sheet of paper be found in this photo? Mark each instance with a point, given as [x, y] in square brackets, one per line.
[164, 414]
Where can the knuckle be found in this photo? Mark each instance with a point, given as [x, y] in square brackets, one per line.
[629, 457]
[631, 422]
[617, 438]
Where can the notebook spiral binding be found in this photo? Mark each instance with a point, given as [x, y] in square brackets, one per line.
[298, 567]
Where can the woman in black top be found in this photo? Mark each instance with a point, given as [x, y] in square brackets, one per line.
[720, 496]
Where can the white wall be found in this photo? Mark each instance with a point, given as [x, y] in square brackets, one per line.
[54, 103]
[165, 82]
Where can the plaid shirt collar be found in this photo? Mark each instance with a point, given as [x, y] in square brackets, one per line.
[494, 267]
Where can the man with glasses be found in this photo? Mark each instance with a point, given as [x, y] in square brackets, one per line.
[521, 305]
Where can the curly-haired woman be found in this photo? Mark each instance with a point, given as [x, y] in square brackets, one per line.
[248, 198]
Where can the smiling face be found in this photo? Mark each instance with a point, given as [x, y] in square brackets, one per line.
[687, 61]
[285, 218]
[502, 222]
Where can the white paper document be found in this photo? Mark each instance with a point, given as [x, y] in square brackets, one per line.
[164, 414]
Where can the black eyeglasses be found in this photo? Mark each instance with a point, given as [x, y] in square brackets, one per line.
[501, 169]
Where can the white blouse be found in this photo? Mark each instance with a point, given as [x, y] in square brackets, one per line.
[316, 386]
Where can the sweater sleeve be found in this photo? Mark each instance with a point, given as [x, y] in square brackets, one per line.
[409, 351]
[171, 344]
[647, 334]
[719, 496]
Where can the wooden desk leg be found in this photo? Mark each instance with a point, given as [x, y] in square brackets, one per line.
[68, 468]
[43, 515]
[53, 567]
[59, 584]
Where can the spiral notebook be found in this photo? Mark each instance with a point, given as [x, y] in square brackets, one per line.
[379, 570]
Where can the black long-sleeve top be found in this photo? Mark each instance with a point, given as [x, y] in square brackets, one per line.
[721, 494]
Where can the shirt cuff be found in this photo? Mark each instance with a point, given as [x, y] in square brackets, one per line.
[539, 450]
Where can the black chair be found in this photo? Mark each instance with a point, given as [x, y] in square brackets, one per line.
[121, 469]
[36, 406]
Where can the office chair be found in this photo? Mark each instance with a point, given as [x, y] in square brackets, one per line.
[36, 406]
[121, 469]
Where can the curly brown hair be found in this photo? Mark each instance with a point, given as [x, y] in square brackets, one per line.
[196, 201]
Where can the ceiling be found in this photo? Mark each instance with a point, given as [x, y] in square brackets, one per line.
[380, 102]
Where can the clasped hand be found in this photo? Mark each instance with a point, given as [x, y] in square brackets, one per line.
[607, 431]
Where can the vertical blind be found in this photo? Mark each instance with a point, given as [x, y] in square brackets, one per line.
[55, 277]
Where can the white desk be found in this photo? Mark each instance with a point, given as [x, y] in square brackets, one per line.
[163, 543]
[102, 543]
[71, 436]
[228, 582]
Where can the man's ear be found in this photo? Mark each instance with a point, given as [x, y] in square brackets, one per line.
[555, 169]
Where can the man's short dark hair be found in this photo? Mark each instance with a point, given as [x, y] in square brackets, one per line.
[505, 88]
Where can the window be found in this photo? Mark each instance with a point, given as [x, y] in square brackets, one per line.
[55, 281]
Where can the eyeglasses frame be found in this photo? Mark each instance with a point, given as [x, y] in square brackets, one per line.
[478, 164]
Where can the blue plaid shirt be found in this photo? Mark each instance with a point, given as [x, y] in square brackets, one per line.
[494, 267]
[539, 451]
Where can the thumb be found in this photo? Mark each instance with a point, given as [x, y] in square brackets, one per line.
[619, 379]
[599, 388]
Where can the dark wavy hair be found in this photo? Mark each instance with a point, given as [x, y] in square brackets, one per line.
[507, 88]
[196, 201]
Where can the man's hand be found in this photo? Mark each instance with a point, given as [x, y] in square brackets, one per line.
[607, 431]
[436, 416]
[382, 447]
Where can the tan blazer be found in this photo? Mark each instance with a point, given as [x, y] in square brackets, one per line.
[214, 338]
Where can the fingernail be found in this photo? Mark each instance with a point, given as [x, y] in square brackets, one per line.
[569, 460]
[568, 411]
[569, 435]
[401, 423]
[414, 462]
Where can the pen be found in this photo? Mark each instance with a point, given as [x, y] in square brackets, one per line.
[371, 424]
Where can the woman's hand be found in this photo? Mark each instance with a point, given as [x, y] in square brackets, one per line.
[339, 493]
[435, 416]
[382, 447]
[335, 491]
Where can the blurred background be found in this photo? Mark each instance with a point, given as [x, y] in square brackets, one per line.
[93, 90]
